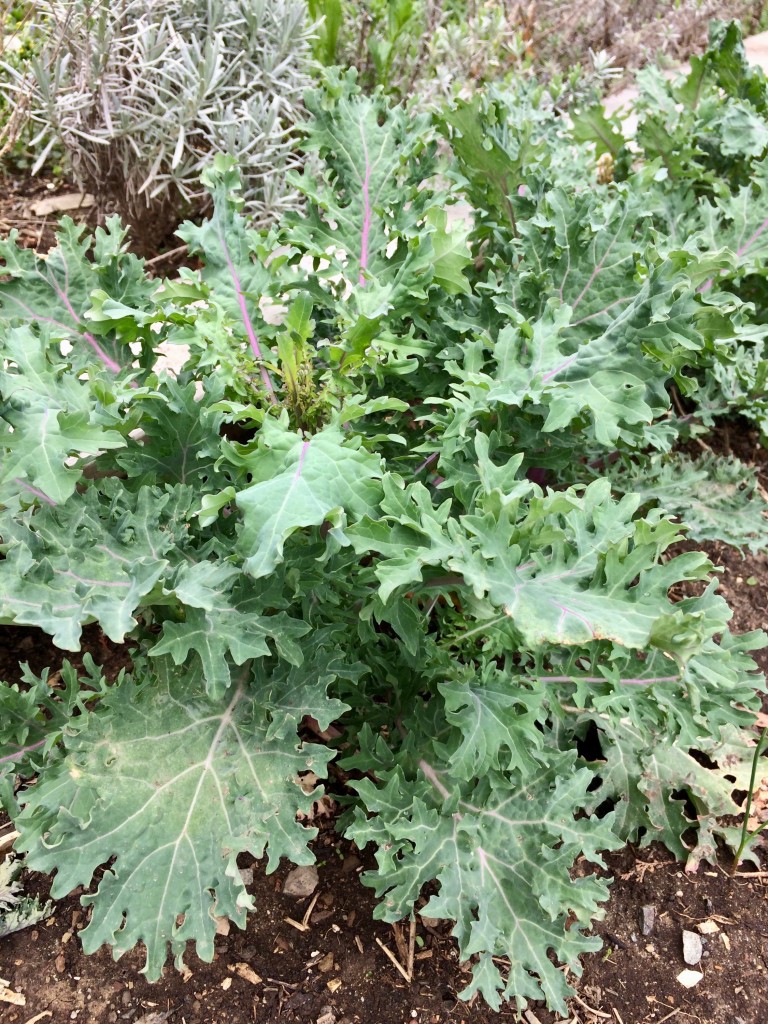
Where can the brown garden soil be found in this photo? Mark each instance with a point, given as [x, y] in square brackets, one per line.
[321, 959]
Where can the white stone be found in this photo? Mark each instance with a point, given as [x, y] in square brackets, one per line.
[689, 978]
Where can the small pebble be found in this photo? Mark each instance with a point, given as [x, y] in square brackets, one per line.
[301, 881]
[649, 919]
[689, 978]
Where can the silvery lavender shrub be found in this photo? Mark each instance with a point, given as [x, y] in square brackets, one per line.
[142, 93]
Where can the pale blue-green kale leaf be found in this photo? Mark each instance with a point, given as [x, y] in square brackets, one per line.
[233, 274]
[298, 482]
[180, 440]
[716, 497]
[34, 715]
[97, 305]
[613, 379]
[501, 851]
[667, 730]
[368, 219]
[91, 560]
[584, 249]
[48, 420]
[171, 786]
[739, 222]
[235, 630]
[565, 567]
[496, 713]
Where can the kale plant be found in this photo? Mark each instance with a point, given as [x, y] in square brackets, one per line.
[368, 499]
[698, 156]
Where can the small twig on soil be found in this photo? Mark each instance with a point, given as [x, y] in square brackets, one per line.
[298, 925]
[591, 1009]
[750, 874]
[38, 1017]
[670, 1014]
[531, 1017]
[394, 960]
[166, 255]
[7, 995]
[310, 908]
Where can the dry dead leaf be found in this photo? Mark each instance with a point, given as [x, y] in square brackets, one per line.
[7, 995]
[222, 925]
[246, 972]
[61, 204]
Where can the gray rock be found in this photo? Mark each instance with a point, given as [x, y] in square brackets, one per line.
[692, 948]
[648, 919]
[301, 881]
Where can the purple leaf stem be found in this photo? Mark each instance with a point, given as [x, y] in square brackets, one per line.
[21, 751]
[599, 312]
[597, 269]
[427, 462]
[302, 456]
[558, 369]
[108, 362]
[34, 490]
[565, 612]
[432, 775]
[252, 339]
[753, 238]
